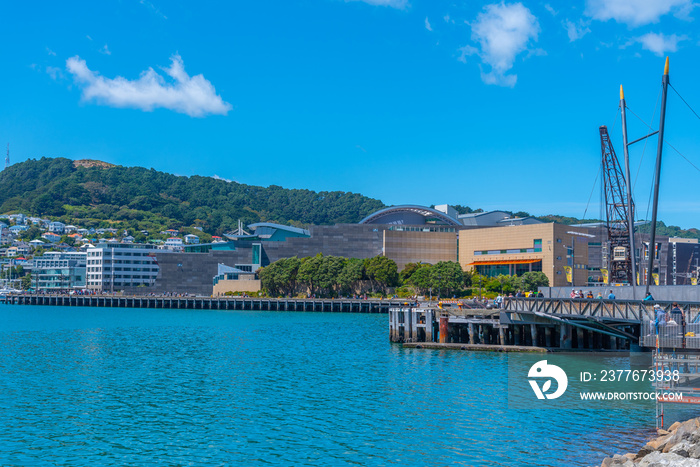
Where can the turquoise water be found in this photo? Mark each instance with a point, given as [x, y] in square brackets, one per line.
[101, 386]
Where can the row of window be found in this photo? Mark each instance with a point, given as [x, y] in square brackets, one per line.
[537, 248]
[118, 261]
[107, 269]
[119, 276]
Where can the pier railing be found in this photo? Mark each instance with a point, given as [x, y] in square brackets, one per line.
[635, 310]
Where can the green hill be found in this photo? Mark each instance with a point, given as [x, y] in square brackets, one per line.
[97, 194]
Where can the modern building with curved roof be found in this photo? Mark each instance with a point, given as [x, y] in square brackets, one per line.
[409, 214]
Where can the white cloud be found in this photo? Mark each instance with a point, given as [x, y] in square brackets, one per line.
[191, 95]
[153, 8]
[88, 38]
[659, 43]
[549, 8]
[503, 31]
[54, 72]
[400, 4]
[105, 50]
[427, 24]
[635, 12]
[576, 31]
[216, 177]
[447, 18]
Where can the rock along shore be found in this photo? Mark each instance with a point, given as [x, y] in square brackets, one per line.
[677, 446]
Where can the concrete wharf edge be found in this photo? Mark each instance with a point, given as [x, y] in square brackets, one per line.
[208, 303]
[474, 347]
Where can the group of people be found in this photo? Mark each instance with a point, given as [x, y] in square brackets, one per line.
[498, 302]
[673, 317]
[579, 294]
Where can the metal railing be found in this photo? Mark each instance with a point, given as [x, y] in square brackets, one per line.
[670, 336]
[635, 310]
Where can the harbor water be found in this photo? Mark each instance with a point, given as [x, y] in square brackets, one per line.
[121, 386]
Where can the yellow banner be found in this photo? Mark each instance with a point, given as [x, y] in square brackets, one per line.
[694, 281]
[568, 273]
[605, 275]
[656, 278]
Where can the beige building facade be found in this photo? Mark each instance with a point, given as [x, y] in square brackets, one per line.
[423, 246]
[514, 250]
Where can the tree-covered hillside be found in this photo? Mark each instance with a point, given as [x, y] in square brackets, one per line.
[90, 193]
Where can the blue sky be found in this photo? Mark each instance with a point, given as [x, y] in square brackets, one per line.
[491, 105]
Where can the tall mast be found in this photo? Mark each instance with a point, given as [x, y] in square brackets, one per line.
[630, 206]
[659, 149]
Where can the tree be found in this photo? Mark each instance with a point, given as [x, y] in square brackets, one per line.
[26, 282]
[309, 272]
[408, 271]
[280, 276]
[32, 233]
[420, 279]
[351, 275]
[468, 275]
[382, 272]
[532, 280]
[446, 276]
[328, 274]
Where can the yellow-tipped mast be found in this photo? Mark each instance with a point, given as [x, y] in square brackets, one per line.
[657, 175]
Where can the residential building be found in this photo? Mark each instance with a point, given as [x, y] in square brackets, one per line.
[174, 244]
[191, 239]
[51, 237]
[18, 218]
[76, 237]
[57, 227]
[5, 236]
[17, 229]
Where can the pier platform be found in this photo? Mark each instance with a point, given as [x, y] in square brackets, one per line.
[208, 303]
[540, 323]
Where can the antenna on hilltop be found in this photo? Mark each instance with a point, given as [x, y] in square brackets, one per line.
[7, 158]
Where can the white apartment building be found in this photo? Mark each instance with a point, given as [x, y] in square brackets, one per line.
[174, 244]
[191, 239]
[111, 267]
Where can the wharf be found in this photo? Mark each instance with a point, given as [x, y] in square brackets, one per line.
[208, 303]
[562, 325]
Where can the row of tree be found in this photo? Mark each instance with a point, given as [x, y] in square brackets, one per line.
[505, 284]
[333, 276]
[328, 275]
